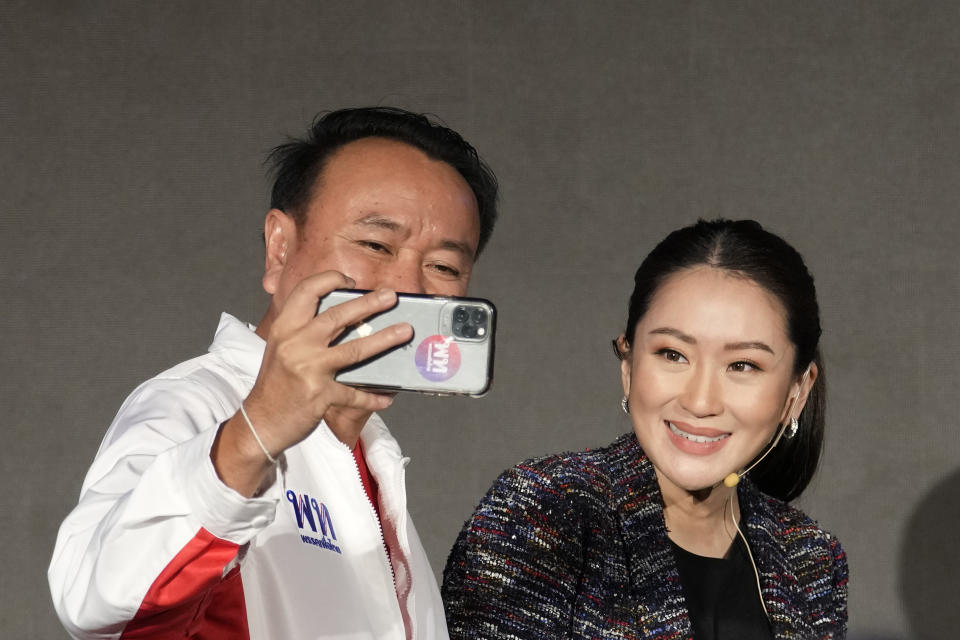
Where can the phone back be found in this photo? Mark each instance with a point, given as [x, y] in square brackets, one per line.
[451, 352]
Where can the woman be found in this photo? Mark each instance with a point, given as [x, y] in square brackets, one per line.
[663, 534]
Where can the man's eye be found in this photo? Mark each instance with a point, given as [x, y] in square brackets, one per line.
[375, 246]
[446, 270]
[671, 355]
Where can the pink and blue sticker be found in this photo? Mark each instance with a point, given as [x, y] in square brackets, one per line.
[438, 358]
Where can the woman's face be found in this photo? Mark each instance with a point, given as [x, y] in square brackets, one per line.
[709, 376]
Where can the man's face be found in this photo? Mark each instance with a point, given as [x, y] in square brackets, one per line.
[386, 215]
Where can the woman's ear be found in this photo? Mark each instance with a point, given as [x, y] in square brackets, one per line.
[280, 237]
[800, 391]
[626, 358]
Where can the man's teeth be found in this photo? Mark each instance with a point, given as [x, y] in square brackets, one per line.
[695, 438]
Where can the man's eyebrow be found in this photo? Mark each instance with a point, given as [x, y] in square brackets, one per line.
[730, 346]
[382, 222]
[388, 224]
[459, 247]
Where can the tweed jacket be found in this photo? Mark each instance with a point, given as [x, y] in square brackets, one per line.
[575, 546]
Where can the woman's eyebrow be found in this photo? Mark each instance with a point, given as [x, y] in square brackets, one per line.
[756, 344]
[730, 346]
[676, 333]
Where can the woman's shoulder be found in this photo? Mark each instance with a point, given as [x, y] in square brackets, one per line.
[800, 558]
[573, 478]
[799, 535]
[591, 467]
[791, 522]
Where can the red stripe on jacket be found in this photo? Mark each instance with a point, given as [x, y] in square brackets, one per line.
[192, 599]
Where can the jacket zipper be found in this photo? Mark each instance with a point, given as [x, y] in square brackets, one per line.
[376, 518]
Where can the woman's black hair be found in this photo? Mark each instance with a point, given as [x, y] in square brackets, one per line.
[745, 249]
[298, 163]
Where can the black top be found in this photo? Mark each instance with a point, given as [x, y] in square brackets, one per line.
[722, 596]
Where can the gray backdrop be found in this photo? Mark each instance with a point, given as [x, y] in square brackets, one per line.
[132, 196]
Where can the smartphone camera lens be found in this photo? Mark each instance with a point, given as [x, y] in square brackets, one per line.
[469, 322]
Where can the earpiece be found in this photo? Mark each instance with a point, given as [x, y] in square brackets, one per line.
[732, 479]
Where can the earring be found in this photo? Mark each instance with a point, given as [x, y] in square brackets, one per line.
[792, 429]
[625, 405]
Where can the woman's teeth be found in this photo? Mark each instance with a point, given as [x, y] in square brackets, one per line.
[694, 438]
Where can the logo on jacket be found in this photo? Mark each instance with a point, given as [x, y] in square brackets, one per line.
[316, 516]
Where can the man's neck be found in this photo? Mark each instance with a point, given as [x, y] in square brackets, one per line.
[263, 329]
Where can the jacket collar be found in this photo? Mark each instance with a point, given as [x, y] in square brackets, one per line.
[768, 540]
[236, 342]
[654, 576]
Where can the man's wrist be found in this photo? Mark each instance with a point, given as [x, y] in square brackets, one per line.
[237, 457]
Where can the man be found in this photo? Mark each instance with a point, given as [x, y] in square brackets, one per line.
[245, 493]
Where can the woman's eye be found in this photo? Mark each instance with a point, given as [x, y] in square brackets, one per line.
[671, 356]
[743, 366]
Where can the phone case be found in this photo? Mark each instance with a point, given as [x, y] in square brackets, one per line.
[451, 352]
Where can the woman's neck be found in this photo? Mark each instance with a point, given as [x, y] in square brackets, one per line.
[699, 521]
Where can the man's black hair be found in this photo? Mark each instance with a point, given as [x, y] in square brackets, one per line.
[298, 163]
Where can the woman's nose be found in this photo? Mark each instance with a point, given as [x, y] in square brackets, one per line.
[701, 394]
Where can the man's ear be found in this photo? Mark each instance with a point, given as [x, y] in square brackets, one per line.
[280, 237]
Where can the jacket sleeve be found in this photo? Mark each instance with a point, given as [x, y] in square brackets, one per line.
[514, 569]
[155, 529]
[838, 613]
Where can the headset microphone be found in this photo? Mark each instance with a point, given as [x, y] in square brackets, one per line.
[732, 479]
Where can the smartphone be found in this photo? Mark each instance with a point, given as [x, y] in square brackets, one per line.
[451, 352]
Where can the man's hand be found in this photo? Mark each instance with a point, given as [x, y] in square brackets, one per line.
[295, 387]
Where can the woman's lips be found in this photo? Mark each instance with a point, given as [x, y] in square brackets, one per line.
[695, 440]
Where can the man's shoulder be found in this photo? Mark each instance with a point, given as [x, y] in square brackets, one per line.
[183, 400]
[206, 372]
[229, 367]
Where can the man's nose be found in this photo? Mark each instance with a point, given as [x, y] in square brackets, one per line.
[406, 275]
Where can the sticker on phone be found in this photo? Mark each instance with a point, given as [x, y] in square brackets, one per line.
[438, 358]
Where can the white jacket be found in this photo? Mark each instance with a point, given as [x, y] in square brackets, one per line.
[159, 547]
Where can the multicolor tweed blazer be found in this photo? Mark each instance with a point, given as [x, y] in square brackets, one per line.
[575, 546]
